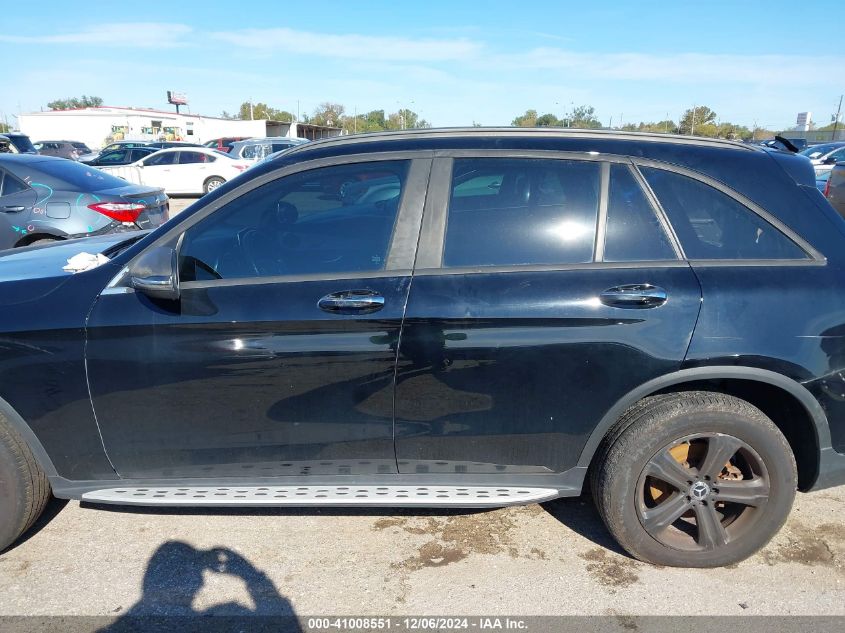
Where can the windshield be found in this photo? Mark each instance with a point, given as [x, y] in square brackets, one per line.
[817, 151]
[22, 143]
[80, 175]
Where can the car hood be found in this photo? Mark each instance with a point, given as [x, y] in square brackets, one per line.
[45, 262]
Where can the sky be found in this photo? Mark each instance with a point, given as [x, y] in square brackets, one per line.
[453, 62]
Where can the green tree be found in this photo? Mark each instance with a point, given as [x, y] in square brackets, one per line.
[73, 103]
[5, 127]
[529, 119]
[258, 111]
[328, 114]
[700, 121]
[583, 117]
[549, 120]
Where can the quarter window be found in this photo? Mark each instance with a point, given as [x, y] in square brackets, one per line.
[633, 231]
[506, 212]
[712, 225]
[327, 221]
[10, 185]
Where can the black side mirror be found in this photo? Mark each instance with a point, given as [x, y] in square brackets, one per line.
[830, 160]
[156, 273]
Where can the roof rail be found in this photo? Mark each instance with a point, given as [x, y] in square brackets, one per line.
[518, 131]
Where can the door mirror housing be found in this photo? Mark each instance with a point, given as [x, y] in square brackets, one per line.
[156, 273]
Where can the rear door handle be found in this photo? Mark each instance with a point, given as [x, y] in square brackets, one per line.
[352, 302]
[636, 296]
[14, 209]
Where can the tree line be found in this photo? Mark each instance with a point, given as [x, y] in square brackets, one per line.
[698, 121]
[335, 115]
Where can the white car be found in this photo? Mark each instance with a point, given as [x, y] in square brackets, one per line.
[182, 170]
[825, 156]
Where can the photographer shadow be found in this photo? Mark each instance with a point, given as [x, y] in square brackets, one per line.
[173, 579]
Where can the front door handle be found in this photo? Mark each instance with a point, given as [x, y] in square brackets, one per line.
[12, 209]
[352, 302]
[637, 296]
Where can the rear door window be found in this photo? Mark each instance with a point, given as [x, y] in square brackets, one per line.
[505, 212]
[633, 232]
[712, 225]
[165, 158]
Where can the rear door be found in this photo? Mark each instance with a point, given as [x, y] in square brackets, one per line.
[544, 290]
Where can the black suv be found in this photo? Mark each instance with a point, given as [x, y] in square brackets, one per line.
[449, 318]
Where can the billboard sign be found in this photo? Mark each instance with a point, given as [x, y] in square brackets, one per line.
[176, 98]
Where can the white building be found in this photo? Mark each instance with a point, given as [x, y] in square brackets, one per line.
[100, 125]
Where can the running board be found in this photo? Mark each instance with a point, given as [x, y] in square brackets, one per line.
[389, 496]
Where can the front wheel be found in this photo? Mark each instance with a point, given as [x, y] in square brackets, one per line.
[694, 479]
[24, 489]
[212, 183]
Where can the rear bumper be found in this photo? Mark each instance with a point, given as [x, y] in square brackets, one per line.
[831, 470]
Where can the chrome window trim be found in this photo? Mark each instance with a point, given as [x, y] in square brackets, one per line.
[536, 268]
[601, 219]
[287, 279]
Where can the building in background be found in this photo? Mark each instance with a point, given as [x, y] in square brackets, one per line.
[104, 124]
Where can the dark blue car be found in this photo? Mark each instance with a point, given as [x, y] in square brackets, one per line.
[449, 318]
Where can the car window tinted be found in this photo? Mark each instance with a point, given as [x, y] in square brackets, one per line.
[712, 225]
[9, 184]
[633, 231]
[254, 151]
[186, 158]
[165, 158]
[521, 211]
[117, 156]
[331, 220]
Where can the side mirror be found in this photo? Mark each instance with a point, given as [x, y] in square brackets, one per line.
[156, 273]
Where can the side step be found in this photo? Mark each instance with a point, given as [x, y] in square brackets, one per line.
[391, 496]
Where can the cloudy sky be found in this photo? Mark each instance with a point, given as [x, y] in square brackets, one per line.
[453, 62]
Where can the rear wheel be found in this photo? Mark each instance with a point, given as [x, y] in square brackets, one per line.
[24, 489]
[694, 479]
[212, 183]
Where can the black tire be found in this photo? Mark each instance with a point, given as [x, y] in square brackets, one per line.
[24, 489]
[212, 183]
[750, 494]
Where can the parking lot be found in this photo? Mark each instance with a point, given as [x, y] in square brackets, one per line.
[551, 559]
[180, 203]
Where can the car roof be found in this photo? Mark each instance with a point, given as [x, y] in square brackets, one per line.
[28, 159]
[191, 148]
[481, 133]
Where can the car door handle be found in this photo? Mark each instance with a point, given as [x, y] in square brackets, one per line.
[635, 296]
[12, 209]
[352, 302]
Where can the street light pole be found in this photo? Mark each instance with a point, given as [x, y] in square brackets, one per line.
[836, 120]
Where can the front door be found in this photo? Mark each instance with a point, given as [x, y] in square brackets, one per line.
[550, 290]
[279, 357]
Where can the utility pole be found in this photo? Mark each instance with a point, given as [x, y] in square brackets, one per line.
[836, 120]
[355, 122]
[251, 111]
[692, 125]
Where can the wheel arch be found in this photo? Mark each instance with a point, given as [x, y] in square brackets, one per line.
[808, 457]
[29, 238]
[28, 435]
